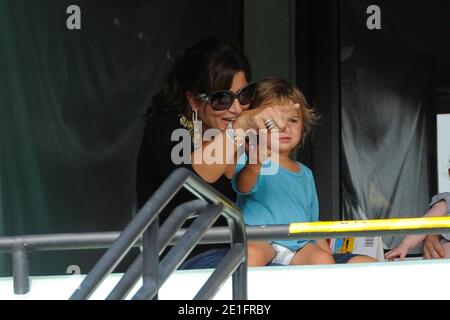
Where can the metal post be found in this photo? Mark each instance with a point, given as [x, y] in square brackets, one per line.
[233, 259]
[21, 270]
[150, 254]
[240, 280]
[179, 252]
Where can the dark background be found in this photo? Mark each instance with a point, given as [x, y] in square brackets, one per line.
[71, 102]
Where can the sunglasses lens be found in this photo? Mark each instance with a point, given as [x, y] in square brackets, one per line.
[247, 94]
[221, 100]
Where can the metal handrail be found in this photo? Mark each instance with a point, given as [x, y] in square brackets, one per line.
[19, 246]
[146, 223]
[103, 240]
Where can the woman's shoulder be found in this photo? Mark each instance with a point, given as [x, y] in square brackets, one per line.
[163, 125]
[159, 130]
[164, 120]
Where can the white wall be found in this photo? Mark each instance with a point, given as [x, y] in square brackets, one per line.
[443, 143]
[421, 279]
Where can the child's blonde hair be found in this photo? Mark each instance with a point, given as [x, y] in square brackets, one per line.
[280, 91]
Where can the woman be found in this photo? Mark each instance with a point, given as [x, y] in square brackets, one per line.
[209, 83]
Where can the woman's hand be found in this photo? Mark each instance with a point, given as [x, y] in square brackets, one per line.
[256, 118]
[432, 248]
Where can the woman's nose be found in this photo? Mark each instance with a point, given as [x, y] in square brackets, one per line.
[236, 108]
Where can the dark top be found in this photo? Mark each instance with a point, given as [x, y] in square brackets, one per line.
[155, 165]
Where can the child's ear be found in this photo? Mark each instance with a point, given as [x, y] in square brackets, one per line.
[193, 102]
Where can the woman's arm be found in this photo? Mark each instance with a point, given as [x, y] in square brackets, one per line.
[212, 160]
[256, 118]
[211, 171]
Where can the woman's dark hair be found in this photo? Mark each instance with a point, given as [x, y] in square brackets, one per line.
[207, 66]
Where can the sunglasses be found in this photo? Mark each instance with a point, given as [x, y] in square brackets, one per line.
[224, 99]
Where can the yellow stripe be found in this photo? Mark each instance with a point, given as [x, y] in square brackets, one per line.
[370, 225]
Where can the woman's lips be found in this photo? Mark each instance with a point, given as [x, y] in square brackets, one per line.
[285, 139]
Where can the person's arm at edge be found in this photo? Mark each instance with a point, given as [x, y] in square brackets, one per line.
[432, 248]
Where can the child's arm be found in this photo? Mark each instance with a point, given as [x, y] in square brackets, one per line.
[246, 178]
[411, 241]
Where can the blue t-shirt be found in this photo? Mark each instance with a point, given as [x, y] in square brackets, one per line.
[283, 198]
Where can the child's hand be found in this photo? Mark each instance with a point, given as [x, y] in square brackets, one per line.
[257, 155]
[400, 251]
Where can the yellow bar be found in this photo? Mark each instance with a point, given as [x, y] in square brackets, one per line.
[370, 225]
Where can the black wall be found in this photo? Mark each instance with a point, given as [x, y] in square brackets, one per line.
[318, 74]
[71, 108]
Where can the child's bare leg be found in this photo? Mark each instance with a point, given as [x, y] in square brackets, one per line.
[260, 253]
[312, 254]
[362, 259]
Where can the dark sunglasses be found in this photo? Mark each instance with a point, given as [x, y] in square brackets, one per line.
[224, 99]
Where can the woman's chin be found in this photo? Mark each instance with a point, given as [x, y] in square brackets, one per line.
[222, 125]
